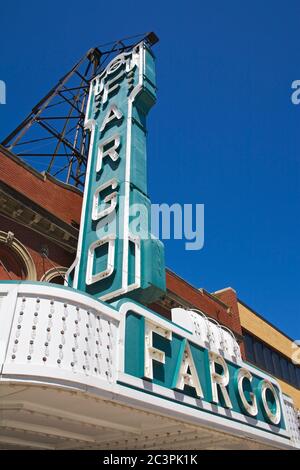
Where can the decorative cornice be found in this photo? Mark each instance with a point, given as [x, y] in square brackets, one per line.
[21, 209]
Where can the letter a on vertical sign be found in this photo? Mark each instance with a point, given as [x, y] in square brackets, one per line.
[112, 261]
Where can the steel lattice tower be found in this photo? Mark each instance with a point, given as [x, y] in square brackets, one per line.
[54, 131]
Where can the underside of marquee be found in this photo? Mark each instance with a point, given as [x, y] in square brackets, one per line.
[45, 417]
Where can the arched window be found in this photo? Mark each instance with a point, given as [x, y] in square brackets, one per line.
[11, 266]
[55, 275]
[15, 260]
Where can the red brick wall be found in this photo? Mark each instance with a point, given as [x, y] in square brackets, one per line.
[229, 297]
[34, 242]
[62, 201]
[203, 301]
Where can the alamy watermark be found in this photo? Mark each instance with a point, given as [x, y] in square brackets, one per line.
[2, 92]
[295, 96]
[163, 221]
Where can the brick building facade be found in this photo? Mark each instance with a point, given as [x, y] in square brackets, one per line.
[39, 215]
[39, 226]
[42, 214]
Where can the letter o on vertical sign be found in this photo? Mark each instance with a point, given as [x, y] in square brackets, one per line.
[115, 65]
[90, 277]
[269, 401]
[249, 407]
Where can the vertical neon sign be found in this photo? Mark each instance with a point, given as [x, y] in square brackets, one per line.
[113, 259]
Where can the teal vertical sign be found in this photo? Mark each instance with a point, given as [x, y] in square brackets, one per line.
[116, 254]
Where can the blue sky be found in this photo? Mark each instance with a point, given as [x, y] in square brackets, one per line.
[223, 132]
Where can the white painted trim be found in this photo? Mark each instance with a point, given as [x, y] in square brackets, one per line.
[62, 293]
[126, 233]
[92, 126]
[8, 306]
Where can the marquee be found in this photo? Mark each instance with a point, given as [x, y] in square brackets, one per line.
[202, 372]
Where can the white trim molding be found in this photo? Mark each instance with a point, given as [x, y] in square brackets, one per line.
[21, 252]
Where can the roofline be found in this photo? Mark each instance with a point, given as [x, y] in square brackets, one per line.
[41, 175]
[200, 290]
[225, 289]
[265, 320]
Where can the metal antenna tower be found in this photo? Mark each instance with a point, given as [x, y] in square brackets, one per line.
[53, 133]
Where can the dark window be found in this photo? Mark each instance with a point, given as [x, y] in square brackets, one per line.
[298, 376]
[285, 375]
[276, 364]
[249, 347]
[292, 370]
[268, 360]
[272, 361]
[259, 355]
[11, 265]
[57, 280]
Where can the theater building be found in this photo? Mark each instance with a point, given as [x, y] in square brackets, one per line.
[101, 347]
[271, 350]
